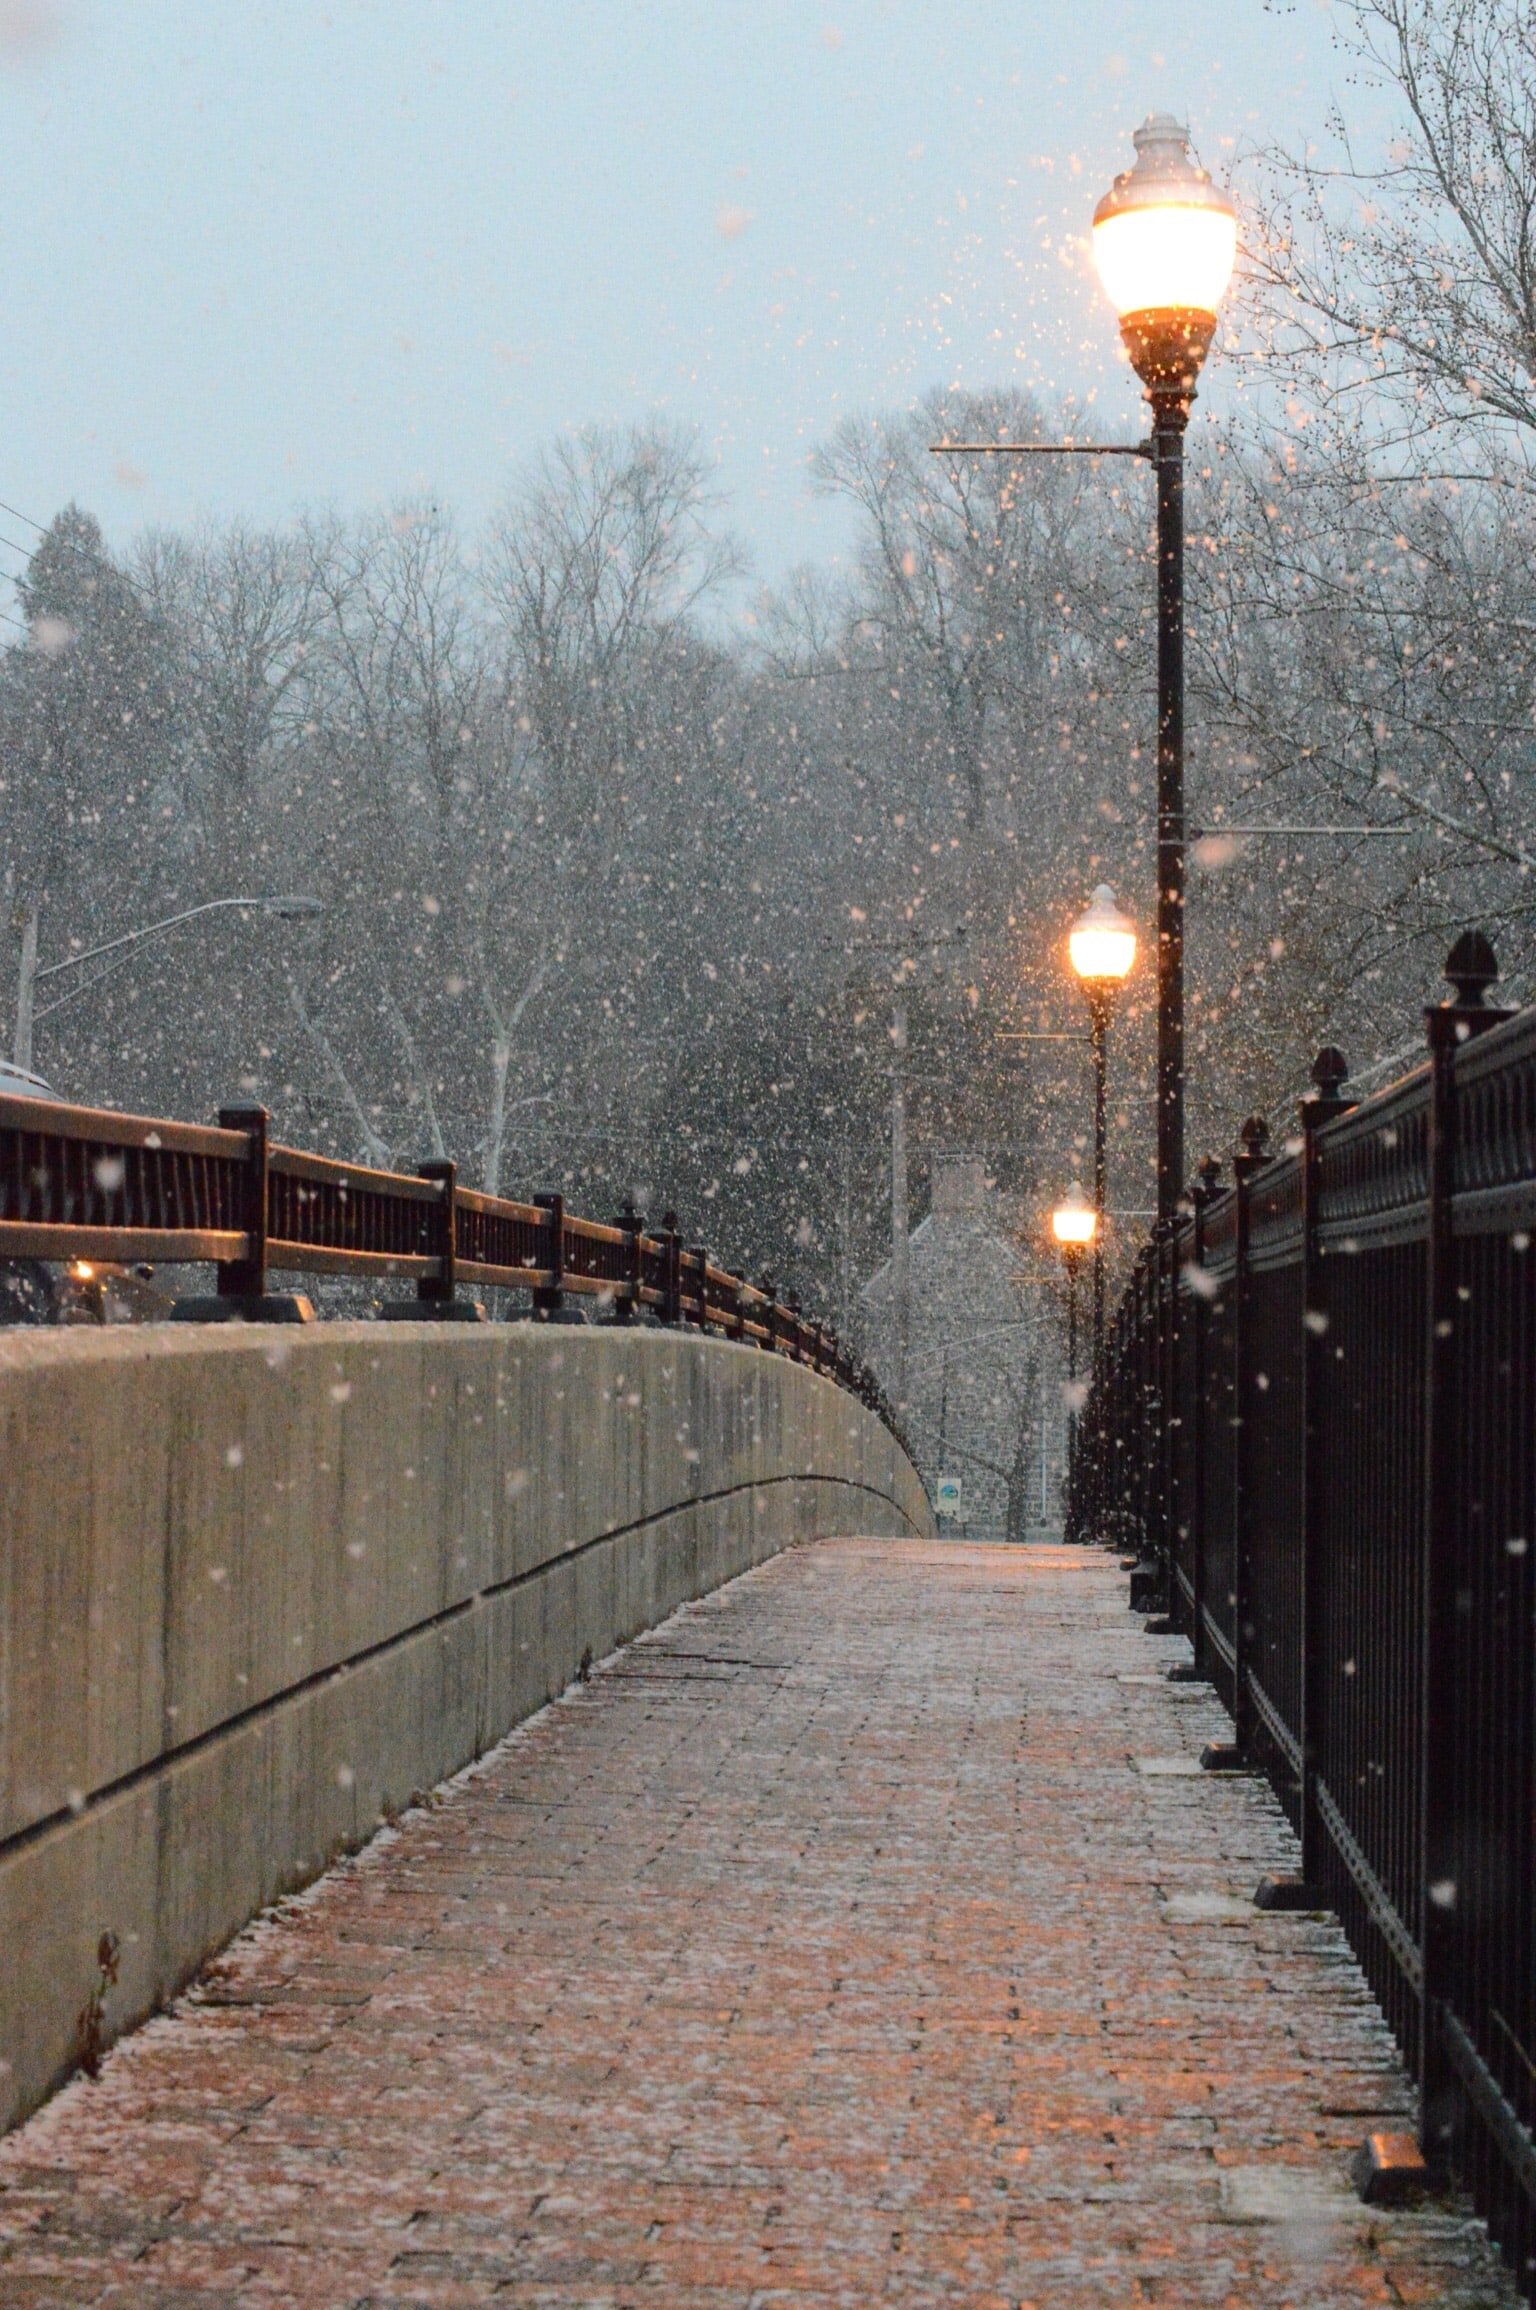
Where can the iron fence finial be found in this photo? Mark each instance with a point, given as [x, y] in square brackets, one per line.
[1471, 967]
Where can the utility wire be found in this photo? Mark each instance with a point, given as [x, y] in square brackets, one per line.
[95, 554]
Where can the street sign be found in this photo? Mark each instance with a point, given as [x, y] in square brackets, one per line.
[946, 1496]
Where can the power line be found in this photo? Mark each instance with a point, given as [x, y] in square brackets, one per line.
[95, 554]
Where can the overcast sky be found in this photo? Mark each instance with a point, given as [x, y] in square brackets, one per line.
[262, 253]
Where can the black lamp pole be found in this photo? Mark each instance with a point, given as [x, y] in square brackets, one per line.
[1098, 1027]
[1170, 415]
[1167, 350]
[1072, 1255]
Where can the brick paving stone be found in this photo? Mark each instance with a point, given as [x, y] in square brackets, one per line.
[830, 1945]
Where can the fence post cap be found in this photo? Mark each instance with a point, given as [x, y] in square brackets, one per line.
[1255, 1138]
[1471, 968]
[1327, 1098]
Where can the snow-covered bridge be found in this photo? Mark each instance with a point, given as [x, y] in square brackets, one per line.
[867, 1932]
[851, 1918]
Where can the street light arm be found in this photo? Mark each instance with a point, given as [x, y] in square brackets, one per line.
[1382, 833]
[1141, 449]
[152, 930]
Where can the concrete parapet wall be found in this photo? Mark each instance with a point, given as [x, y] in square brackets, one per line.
[258, 1587]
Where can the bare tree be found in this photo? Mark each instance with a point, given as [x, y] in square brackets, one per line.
[1408, 282]
[245, 607]
[598, 563]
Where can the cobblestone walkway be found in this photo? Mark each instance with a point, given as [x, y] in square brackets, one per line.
[830, 1946]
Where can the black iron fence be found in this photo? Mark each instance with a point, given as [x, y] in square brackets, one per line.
[1316, 1423]
[82, 1184]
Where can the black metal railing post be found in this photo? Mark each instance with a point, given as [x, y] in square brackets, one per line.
[440, 1296]
[549, 1298]
[1197, 1315]
[437, 1295]
[1118, 1424]
[1168, 1403]
[240, 1293]
[627, 1302]
[1171, 1320]
[1071, 1486]
[1471, 967]
[1322, 1105]
[442, 1286]
[1149, 1582]
[1328, 1101]
[247, 1278]
[1146, 1580]
[1125, 1419]
[672, 1283]
[1219, 1755]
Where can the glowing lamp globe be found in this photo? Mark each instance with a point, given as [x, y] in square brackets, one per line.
[1165, 242]
[1102, 941]
[1074, 1223]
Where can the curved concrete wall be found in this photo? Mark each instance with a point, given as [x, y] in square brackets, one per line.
[258, 1587]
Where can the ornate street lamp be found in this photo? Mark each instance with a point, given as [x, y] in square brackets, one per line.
[1102, 945]
[1165, 241]
[1075, 1224]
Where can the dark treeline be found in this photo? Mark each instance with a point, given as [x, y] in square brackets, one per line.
[620, 883]
[617, 903]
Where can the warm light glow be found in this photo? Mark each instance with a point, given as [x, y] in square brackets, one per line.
[1074, 1222]
[1166, 258]
[1102, 941]
[82, 1270]
[1164, 238]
